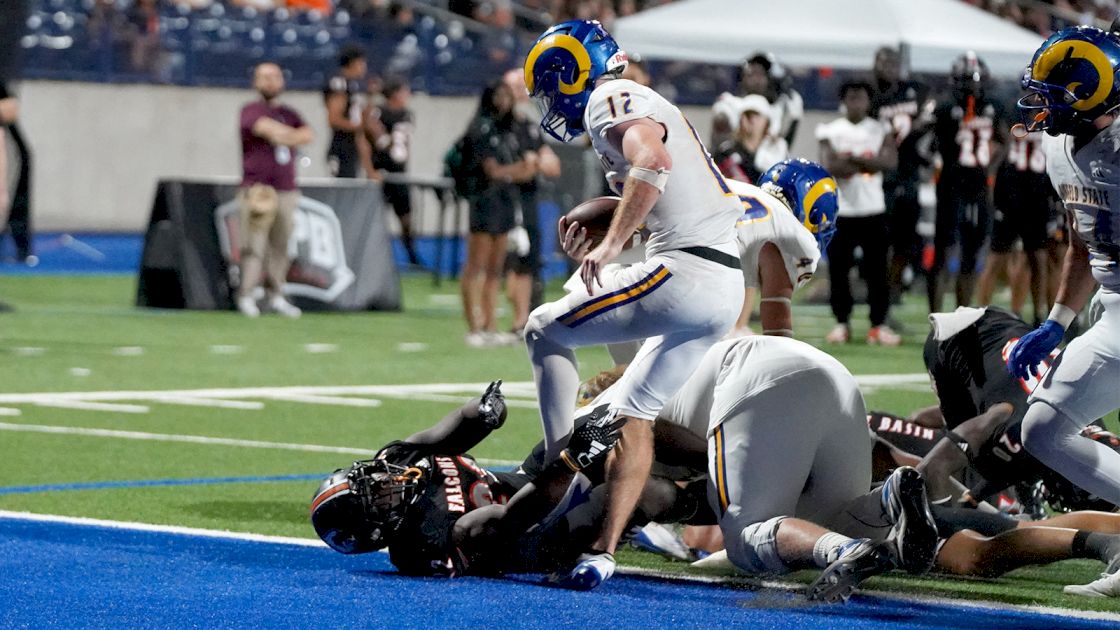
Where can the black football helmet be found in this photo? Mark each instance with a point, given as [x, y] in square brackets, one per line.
[970, 76]
[357, 509]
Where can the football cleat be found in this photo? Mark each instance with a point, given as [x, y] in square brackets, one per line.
[1107, 586]
[590, 571]
[858, 560]
[914, 533]
[656, 538]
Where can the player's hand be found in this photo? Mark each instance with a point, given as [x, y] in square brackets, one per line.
[492, 406]
[573, 239]
[591, 267]
[1033, 347]
[591, 442]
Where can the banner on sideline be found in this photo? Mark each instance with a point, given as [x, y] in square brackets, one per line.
[340, 248]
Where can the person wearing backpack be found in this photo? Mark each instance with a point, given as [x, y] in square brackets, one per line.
[493, 161]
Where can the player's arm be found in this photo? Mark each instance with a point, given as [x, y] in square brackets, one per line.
[929, 417]
[776, 310]
[337, 116]
[885, 160]
[642, 142]
[279, 134]
[365, 155]
[1077, 283]
[953, 453]
[464, 428]
[833, 162]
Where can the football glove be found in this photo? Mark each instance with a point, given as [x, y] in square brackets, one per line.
[1033, 347]
[492, 406]
[591, 442]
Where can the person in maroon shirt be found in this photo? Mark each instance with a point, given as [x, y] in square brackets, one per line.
[270, 135]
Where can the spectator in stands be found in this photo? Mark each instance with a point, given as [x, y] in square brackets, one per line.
[146, 53]
[751, 149]
[495, 148]
[389, 132]
[524, 285]
[856, 149]
[270, 136]
[906, 109]
[349, 150]
[16, 203]
[322, 6]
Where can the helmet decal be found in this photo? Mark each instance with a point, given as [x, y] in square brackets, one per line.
[562, 42]
[826, 185]
[1070, 50]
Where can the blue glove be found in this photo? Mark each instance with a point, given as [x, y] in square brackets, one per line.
[1033, 347]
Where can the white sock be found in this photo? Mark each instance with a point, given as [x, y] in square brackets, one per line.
[827, 548]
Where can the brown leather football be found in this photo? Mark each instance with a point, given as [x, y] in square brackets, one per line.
[595, 215]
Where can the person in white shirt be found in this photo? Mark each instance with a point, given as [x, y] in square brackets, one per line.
[854, 151]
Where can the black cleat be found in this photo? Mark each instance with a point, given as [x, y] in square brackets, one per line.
[862, 559]
[914, 533]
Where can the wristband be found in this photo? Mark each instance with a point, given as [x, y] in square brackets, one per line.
[778, 300]
[657, 178]
[784, 332]
[1062, 314]
[567, 459]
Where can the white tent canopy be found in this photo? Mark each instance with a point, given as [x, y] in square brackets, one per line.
[840, 34]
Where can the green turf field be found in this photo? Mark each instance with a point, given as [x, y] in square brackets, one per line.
[81, 334]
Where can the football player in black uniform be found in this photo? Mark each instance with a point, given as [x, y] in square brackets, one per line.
[440, 513]
[1023, 205]
[349, 150]
[906, 108]
[970, 139]
[389, 131]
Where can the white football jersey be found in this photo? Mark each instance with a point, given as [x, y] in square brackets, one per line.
[766, 219]
[1089, 184]
[734, 370]
[697, 207]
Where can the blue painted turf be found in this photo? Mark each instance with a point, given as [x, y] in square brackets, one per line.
[150, 483]
[69, 576]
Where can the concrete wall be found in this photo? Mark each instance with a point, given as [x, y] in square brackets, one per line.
[99, 149]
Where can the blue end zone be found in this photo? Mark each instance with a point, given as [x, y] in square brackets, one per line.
[80, 575]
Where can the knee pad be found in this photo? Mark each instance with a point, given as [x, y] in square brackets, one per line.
[754, 550]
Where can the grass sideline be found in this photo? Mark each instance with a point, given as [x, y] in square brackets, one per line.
[81, 334]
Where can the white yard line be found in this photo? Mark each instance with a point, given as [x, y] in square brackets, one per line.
[85, 405]
[6, 411]
[327, 400]
[309, 542]
[195, 401]
[203, 439]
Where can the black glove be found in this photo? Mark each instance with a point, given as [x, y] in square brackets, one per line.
[591, 442]
[492, 406]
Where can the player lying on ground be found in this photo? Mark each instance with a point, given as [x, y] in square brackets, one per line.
[440, 513]
[978, 540]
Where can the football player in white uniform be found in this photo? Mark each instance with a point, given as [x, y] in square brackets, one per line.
[778, 248]
[682, 299]
[1074, 94]
[789, 483]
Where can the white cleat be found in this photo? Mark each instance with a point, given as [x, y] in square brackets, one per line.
[1107, 586]
[656, 538]
[717, 560]
[248, 306]
[283, 307]
[590, 571]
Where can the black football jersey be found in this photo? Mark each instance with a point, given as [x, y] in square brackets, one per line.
[340, 84]
[901, 109]
[966, 137]
[970, 373]
[904, 434]
[452, 486]
[391, 153]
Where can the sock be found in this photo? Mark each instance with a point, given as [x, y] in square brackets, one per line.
[828, 547]
[1095, 545]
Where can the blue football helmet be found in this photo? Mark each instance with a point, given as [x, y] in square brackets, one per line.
[1072, 80]
[809, 191]
[561, 70]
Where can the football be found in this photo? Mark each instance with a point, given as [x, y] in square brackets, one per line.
[595, 215]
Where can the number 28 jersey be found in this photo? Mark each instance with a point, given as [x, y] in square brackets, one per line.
[1088, 182]
[697, 207]
[965, 135]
